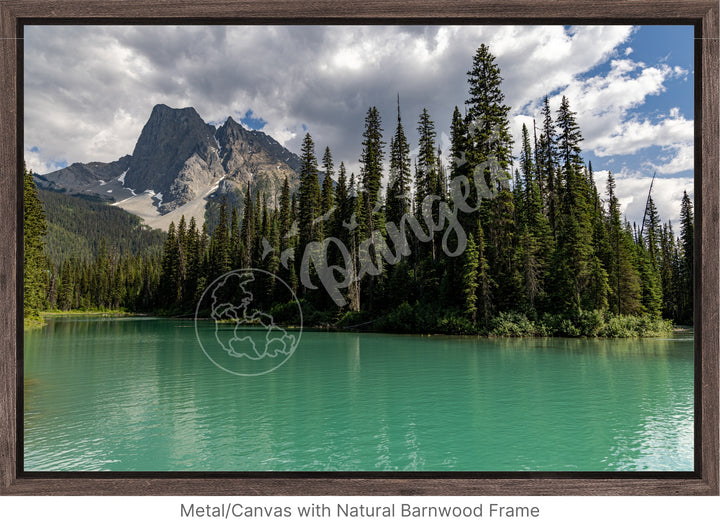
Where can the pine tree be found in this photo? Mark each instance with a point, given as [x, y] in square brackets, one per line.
[598, 286]
[687, 258]
[568, 140]
[546, 165]
[182, 240]
[371, 214]
[536, 240]
[650, 288]
[169, 279]
[328, 191]
[488, 155]
[470, 279]
[487, 116]
[34, 261]
[483, 279]
[247, 230]
[398, 193]
[527, 164]
[653, 231]
[371, 171]
[220, 251]
[286, 218]
[194, 284]
[504, 253]
[458, 145]
[426, 180]
[624, 295]
[669, 273]
[343, 203]
[579, 282]
[235, 241]
[309, 203]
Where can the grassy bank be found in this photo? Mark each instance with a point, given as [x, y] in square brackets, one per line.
[38, 322]
[32, 323]
[102, 313]
[424, 319]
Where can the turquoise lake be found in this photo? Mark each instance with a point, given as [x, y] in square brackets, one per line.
[138, 394]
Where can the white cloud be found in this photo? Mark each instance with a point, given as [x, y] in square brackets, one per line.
[632, 188]
[606, 105]
[634, 135]
[38, 164]
[680, 160]
[603, 103]
[89, 90]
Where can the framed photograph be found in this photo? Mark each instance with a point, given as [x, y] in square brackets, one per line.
[322, 248]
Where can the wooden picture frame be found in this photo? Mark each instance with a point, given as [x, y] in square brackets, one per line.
[702, 14]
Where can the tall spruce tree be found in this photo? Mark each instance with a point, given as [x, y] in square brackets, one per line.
[309, 202]
[574, 255]
[623, 280]
[687, 242]
[328, 190]
[34, 261]
[427, 174]
[487, 115]
[371, 171]
[398, 194]
[652, 231]
[546, 166]
[247, 230]
[170, 281]
[568, 140]
[220, 250]
[371, 214]
[527, 164]
[470, 279]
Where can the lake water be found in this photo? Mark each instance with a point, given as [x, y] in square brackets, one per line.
[138, 394]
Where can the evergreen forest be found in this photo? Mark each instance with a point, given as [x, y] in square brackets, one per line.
[545, 253]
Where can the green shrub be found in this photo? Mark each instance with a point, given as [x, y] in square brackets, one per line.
[352, 318]
[590, 323]
[511, 324]
[455, 323]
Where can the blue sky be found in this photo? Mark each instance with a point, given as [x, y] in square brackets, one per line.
[652, 45]
[90, 89]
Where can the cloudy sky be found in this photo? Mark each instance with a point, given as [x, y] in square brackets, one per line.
[90, 89]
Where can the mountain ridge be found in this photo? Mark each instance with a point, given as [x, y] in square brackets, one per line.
[179, 160]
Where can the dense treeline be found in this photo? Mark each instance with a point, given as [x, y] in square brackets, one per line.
[77, 227]
[82, 254]
[545, 252]
[34, 259]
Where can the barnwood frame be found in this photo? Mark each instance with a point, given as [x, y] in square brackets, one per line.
[702, 14]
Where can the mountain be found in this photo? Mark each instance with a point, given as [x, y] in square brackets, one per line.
[85, 179]
[176, 156]
[78, 225]
[179, 164]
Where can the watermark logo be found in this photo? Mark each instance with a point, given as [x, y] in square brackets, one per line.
[238, 325]
[435, 215]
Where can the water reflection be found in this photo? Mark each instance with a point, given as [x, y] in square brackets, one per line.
[138, 394]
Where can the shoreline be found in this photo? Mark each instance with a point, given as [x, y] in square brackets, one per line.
[64, 313]
[35, 324]
[676, 329]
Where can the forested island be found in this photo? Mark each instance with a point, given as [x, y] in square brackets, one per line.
[545, 252]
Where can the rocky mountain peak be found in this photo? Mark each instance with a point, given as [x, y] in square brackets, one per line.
[175, 147]
[184, 160]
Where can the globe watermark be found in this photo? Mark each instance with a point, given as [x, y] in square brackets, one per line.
[236, 327]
